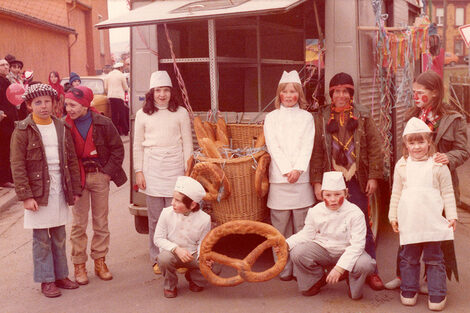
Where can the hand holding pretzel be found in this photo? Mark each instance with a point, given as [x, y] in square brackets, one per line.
[243, 267]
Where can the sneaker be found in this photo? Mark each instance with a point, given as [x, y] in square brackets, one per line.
[375, 282]
[408, 298]
[50, 290]
[437, 303]
[393, 284]
[156, 269]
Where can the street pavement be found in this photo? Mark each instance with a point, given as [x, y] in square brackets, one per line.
[136, 289]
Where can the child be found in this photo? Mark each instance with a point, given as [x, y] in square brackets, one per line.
[334, 236]
[46, 175]
[179, 233]
[421, 190]
[289, 132]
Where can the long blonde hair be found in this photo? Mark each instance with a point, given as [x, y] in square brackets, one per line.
[302, 100]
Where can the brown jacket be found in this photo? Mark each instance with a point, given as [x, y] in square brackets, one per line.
[29, 165]
[368, 148]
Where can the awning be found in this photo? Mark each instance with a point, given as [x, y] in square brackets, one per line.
[177, 11]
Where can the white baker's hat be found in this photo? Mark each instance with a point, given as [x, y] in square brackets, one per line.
[416, 125]
[333, 181]
[160, 79]
[290, 77]
[118, 65]
[190, 187]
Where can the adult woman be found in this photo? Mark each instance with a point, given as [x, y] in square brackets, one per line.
[351, 144]
[162, 145]
[289, 132]
[449, 134]
[54, 81]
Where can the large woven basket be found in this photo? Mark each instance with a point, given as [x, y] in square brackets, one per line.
[243, 202]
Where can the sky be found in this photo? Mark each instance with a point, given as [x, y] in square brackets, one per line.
[119, 37]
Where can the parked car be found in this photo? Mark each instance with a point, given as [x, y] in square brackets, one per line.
[96, 84]
[450, 59]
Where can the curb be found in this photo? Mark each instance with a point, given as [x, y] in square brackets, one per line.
[8, 200]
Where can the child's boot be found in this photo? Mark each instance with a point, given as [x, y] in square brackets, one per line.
[80, 274]
[101, 270]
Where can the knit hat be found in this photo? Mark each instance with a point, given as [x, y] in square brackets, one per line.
[160, 79]
[290, 77]
[73, 77]
[80, 94]
[333, 181]
[414, 126]
[342, 80]
[12, 60]
[38, 90]
[190, 187]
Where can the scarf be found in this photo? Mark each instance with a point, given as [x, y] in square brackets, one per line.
[431, 119]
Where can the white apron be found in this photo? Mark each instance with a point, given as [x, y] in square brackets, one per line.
[56, 213]
[283, 196]
[420, 207]
[162, 165]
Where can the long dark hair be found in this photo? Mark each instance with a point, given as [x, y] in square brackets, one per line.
[149, 104]
[433, 82]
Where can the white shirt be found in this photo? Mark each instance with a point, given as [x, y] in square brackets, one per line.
[289, 134]
[115, 84]
[162, 129]
[342, 232]
[177, 230]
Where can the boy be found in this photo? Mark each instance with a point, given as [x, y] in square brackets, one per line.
[100, 154]
[334, 236]
[45, 172]
[179, 233]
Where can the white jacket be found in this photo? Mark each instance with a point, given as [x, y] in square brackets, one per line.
[341, 232]
[289, 134]
[115, 84]
[177, 230]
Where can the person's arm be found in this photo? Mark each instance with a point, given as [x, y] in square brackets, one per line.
[306, 234]
[274, 147]
[305, 152]
[396, 194]
[72, 162]
[125, 87]
[317, 161]
[357, 243]
[205, 230]
[459, 152]
[161, 232]
[374, 149]
[116, 149]
[447, 192]
[138, 148]
[19, 143]
[186, 136]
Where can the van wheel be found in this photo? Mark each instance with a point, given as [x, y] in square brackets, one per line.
[141, 224]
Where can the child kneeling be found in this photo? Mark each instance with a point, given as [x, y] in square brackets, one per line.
[422, 189]
[334, 235]
[46, 175]
[179, 233]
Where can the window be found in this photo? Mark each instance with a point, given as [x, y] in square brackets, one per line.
[439, 16]
[208, 5]
[459, 16]
[458, 48]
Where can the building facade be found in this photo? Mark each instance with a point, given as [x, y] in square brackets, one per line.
[55, 35]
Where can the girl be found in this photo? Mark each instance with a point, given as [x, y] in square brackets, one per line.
[54, 81]
[47, 178]
[448, 132]
[421, 190]
[289, 132]
[162, 145]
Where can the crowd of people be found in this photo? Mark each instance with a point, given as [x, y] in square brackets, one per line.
[324, 168]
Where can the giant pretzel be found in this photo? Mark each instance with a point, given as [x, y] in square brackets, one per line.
[212, 178]
[243, 267]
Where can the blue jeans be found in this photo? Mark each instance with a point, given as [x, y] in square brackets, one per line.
[49, 256]
[360, 199]
[435, 268]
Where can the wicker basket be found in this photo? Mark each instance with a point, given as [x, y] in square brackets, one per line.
[243, 202]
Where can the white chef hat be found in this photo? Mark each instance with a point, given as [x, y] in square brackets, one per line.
[190, 187]
[160, 79]
[290, 77]
[333, 181]
[414, 126]
[118, 65]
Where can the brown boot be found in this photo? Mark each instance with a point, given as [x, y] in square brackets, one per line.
[80, 274]
[101, 270]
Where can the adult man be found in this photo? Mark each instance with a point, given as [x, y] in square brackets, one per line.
[334, 236]
[100, 154]
[15, 69]
[9, 114]
[116, 86]
[180, 230]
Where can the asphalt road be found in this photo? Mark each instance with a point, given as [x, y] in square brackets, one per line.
[136, 289]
